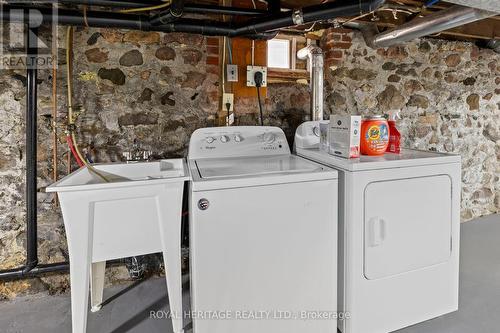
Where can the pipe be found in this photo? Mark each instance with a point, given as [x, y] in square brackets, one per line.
[309, 14]
[24, 272]
[101, 3]
[257, 29]
[315, 55]
[173, 13]
[422, 26]
[31, 149]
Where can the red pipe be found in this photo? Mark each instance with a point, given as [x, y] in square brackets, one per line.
[73, 150]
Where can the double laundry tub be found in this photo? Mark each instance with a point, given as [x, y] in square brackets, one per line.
[271, 233]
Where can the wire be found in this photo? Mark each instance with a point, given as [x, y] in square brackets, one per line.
[143, 9]
[260, 107]
[229, 50]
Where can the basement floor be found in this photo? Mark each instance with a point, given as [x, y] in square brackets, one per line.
[127, 309]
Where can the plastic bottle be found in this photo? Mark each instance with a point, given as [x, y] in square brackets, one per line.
[394, 135]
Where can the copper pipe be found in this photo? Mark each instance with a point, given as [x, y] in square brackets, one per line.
[54, 115]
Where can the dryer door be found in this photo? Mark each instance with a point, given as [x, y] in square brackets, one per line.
[407, 225]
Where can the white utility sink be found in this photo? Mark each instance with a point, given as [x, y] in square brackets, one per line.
[135, 212]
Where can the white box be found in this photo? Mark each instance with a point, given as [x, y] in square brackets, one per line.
[344, 132]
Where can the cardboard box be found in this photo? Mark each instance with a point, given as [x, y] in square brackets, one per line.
[344, 132]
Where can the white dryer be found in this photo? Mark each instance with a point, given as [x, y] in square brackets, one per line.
[263, 235]
[399, 228]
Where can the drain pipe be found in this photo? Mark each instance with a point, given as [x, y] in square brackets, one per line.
[174, 12]
[422, 26]
[315, 55]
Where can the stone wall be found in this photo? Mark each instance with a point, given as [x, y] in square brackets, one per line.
[448, 94]
[133, 92]
[149, 91]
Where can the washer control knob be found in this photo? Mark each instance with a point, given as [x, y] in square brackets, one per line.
[203, 204]
[269, 137]
[238, 138]
[224, 138]
[210, 139]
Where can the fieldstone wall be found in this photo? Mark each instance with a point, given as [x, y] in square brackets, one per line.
[138, 91]
[448, 94]
[133, 92]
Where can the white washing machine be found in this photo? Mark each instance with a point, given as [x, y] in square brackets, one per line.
[399, 228]
[263, 235]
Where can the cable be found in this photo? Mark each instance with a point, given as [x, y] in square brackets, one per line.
[143, 9]
[229, 50]
[228, 107]
[258, 78]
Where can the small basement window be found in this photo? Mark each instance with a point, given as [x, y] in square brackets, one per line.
[282, 62]
[278, 53]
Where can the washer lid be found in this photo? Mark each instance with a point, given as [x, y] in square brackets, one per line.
[254, 166]
[407, 158]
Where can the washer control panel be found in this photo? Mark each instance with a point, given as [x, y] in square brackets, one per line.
[237, 141]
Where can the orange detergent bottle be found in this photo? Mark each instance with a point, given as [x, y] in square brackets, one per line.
[374, 136]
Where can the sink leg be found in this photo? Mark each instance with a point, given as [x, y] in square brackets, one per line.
[97, 272]
[171, 240]
[79, 235]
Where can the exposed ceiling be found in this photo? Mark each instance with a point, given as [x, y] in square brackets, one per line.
[396, 12]
[261, 21]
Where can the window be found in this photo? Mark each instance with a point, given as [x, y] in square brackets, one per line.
[278, 53]
[282, 62]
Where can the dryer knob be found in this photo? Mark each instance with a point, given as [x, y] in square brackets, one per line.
[224, 139]
[210, 139]
[238, 138]
[269, 137]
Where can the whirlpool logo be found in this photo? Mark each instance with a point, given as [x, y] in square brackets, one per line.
[23, 29]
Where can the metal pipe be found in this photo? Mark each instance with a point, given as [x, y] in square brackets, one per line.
[315, 55]
[31, 149]
[422, 26]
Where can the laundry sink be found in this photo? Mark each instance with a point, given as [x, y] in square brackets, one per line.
[121, 210]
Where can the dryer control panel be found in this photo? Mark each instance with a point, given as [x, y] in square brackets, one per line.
[237, 141]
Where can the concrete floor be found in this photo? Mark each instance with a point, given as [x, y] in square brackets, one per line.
[127, 309]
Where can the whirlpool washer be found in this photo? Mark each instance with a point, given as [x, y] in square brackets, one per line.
[263, 235]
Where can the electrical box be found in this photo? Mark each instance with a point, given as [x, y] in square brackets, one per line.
[251, 70]
[227, 98]
[232, 73]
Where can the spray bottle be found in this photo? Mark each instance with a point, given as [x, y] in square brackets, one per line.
[394, 135]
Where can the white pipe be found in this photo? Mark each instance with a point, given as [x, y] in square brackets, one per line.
[315, 55]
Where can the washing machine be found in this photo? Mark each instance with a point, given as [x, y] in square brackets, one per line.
[263, 235]
[399, 218]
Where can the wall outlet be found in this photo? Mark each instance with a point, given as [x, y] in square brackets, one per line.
[232, 73]
[227, 98]
[251, 70]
